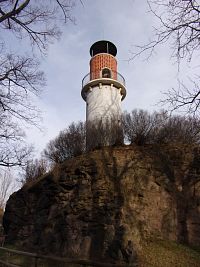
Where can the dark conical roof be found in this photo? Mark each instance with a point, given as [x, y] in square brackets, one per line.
[103, 46]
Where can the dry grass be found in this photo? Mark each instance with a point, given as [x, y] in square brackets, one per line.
[168, 254]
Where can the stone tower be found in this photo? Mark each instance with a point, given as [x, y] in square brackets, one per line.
[103, 88]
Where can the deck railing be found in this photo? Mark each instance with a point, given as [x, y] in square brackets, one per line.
[96, 75]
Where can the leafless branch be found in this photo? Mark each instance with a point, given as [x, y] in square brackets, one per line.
[185, 99]
[7, 186]
[36, 21]
[179, 26]
[20, 78]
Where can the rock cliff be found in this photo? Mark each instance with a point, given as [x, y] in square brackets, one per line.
[105, 204]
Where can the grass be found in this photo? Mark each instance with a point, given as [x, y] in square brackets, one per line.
[168, 254]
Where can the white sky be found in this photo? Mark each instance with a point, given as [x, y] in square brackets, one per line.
[125, 23]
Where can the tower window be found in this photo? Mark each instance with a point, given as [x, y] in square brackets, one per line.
[106, 73]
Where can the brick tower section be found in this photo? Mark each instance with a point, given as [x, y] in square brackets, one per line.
[101, 61]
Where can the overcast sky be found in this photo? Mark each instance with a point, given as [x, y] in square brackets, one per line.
[125, 23]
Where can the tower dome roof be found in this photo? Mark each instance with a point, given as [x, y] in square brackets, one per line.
[103, 46]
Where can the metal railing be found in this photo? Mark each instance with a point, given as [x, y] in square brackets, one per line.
[97, 75]
[35, 260]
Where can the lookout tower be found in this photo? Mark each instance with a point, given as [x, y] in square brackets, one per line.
[103, 88]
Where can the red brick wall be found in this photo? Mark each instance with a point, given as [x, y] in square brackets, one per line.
[101, 61]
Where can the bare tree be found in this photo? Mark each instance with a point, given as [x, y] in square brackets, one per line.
[107, 132]
[33, 170]
[179, 129]
[69, 143]
[179, 25]
[35, 20]
[13, 149]
[179, 20]
[138, 127]
[37, 23]
[141, 127]
[184, 98]
[20, 79]
[7, 186]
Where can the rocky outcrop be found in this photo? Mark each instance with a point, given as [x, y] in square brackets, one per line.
[104, 204]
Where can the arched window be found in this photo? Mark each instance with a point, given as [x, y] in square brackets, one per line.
[106, 73]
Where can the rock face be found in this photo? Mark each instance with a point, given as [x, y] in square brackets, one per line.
[104, 204]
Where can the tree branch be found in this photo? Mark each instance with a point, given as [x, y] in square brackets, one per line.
[15, 11]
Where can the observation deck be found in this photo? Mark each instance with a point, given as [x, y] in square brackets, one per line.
[115, 78]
